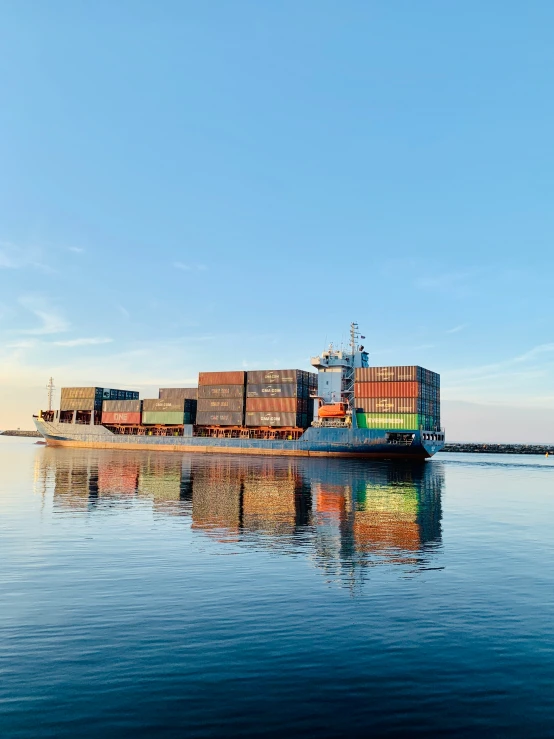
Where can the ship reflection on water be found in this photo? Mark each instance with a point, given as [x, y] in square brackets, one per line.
[347, 516]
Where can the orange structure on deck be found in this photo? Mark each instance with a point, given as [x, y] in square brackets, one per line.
[332, 410]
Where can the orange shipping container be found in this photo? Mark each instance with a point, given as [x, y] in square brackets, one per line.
[286, 405]
[387, 389]
[221, 378]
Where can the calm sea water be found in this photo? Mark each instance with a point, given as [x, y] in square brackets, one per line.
[151, 594]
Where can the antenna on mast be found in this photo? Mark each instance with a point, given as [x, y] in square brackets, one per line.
[50, 387]
[354, 336]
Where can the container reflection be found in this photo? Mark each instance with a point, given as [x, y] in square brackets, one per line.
[346, 515]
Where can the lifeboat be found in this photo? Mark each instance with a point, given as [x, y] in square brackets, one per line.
[332, 410]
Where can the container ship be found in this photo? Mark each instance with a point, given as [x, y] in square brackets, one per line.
[345, 409]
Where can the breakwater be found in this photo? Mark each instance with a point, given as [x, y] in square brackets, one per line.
[478, 448]
[19, 432]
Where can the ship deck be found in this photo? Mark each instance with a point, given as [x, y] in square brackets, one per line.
[314, 442]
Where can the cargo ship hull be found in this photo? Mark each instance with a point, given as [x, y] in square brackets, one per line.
[314, 442]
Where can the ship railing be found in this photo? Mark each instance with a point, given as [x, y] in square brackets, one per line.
[331, 423]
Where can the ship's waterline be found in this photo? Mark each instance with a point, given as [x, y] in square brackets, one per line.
[314, 442]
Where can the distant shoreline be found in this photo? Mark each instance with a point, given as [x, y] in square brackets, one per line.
[18, 432]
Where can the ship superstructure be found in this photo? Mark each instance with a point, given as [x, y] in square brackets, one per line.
[336, 381]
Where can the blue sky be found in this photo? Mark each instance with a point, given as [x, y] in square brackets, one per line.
[195, 186]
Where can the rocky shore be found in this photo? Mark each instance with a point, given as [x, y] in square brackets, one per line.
[499, 448]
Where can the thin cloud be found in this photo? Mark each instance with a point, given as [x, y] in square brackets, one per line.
[75, 249]
[190, 267]
[52, 322]
[123, 311]
[535, 352]
[17, 257]
[456, 329]
[93, 341]
[530, 370]
[22, 344]
[506, 364]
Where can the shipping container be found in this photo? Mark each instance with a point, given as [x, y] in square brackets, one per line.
[271, 377]
[276, 418]
[286, 405]
[121, 406]
[394, 405]
[387, 389]
[178, 393]
[165, 418]
[71, 393]
[279, 390]
[412, 373]
[221, 378]
[157, 405]
[82, 392]
[98, 393]
[395, 421]
[121, 417]
[221, 418]
[80, 404]
[220, 404]
[220, 391]
[389, 421]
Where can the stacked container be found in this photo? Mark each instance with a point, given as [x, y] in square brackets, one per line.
[279, 398]
[221, 398]
[121, 412]
[178, 393]
[398, 398]
[168, 412]
[91, 398]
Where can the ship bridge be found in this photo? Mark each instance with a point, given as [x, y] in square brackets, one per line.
[336, 370]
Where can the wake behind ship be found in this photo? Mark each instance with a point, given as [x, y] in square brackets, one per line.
[347, 409]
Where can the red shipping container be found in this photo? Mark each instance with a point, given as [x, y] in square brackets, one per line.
[409, 373]
[387, 389]
[221, 378]
[124, 418]
[285, 405]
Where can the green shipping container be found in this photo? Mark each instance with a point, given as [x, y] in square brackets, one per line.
[165, 418]
[390, 421]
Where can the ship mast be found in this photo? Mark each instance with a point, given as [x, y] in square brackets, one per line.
[349, 371]
[50, 387]
[354, 336]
